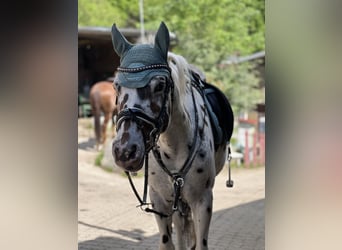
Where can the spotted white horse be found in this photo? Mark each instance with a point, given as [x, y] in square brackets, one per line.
[162, 111]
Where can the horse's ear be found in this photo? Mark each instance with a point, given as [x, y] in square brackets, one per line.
[120, 44]
[162, 40]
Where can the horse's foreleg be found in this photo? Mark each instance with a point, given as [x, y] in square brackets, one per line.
[164, 223]
[104, 127]
[165, 231]
[113, 126]
[202, 211]
[179, 227]
[184, 230]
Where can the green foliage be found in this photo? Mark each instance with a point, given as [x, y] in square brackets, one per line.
[208, 32]
[98, 159]
[98, 13]
[240, 83]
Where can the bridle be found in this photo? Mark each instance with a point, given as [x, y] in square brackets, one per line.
[138, 115]
[159, 125]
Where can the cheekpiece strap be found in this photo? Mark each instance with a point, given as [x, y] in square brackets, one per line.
[139, 69]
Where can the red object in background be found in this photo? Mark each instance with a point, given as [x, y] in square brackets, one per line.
[246, 159]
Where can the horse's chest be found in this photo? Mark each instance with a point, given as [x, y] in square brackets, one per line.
[199, 177]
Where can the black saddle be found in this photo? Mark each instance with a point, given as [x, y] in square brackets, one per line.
[219, 109]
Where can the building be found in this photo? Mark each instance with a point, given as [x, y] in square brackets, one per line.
[97, 60]
[251, 128]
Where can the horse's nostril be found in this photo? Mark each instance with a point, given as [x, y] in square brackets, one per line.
[132, 152]
[134, 148]
[125, 154]
[116, 151]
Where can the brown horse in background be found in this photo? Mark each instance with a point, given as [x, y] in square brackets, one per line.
[103, 99]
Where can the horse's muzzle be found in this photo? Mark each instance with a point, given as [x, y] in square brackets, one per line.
[129, 157]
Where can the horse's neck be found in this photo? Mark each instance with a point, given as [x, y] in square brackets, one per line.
[175, 140]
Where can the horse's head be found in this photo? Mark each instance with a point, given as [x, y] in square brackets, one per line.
[144, 88]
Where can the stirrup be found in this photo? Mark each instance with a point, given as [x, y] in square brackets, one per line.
[229, 182]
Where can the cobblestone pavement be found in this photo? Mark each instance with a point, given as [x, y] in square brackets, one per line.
[108, 218]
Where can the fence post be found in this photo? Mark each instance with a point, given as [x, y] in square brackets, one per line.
[262, 148]
[246, 160]
[255, 148]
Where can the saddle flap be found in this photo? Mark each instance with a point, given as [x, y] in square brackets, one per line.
[220, 111]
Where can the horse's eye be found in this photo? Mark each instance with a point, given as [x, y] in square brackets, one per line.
[159, 87]
[160, 82]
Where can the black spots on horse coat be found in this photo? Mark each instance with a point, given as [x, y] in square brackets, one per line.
[166, 155]
[153, 173]
[124, 138]
[207, 184]
[155, 108]
[201, 133]
[165, 238]
[125, 98]
[127, 124]
[205, 242]
[168, 230]
[202, 154]
[205, 122]
[209, 210]
[144, 93]
[203, 108]
[200, 170]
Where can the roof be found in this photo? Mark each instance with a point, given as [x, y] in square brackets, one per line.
[104, 33]
[236, 60]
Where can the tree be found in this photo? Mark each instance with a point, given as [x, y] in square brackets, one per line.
[99, 13]
[208, 32]
[240, 83]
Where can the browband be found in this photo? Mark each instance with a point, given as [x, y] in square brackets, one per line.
[139, 69]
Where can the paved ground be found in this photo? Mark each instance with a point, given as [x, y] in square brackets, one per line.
[108, 218]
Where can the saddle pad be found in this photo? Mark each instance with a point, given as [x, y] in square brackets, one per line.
[220, 111]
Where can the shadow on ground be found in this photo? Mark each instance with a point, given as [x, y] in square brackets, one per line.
[88, 145]
[237, 228]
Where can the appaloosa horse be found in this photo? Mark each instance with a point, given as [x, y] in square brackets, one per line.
[163, 111]
[102, 99]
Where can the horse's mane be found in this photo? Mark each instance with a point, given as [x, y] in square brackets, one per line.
[181, 77]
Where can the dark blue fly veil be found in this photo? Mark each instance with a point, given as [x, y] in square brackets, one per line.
[167, 109]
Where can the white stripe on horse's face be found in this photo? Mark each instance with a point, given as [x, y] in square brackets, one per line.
[129, 144]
